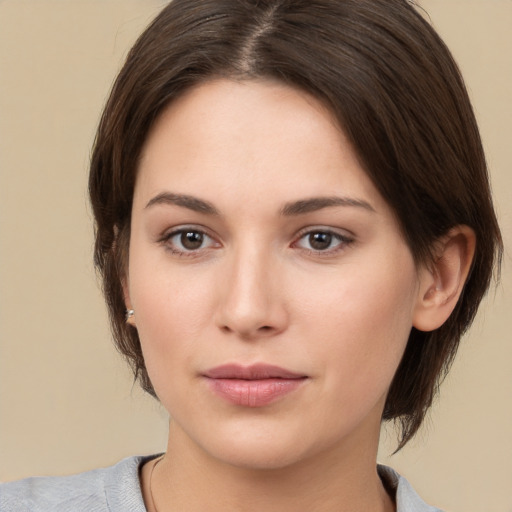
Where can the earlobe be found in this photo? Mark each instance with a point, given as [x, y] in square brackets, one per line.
[130, 312]
[130, 317]
[442, 282]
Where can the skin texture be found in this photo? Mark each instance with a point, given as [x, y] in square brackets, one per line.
[256, 289]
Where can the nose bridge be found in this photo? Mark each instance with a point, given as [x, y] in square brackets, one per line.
[252, 304]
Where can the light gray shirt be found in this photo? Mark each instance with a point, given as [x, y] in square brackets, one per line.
[117, 489]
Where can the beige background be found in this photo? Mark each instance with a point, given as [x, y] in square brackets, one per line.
[66, 399]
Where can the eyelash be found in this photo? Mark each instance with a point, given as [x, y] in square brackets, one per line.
[166, 240]
[343, 241]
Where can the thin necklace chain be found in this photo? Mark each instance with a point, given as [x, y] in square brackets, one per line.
[151, 482]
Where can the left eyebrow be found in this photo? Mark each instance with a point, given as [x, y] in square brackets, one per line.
[318, 203]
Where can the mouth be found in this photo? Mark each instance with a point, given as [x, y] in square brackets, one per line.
[252, 386]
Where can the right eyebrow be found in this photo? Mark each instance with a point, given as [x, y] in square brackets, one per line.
[186, 201]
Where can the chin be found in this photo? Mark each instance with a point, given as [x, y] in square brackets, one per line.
[259, 450]
[260, 457]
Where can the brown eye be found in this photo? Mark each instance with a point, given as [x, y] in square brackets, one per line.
[323, 241]
[320, 241]
[191, 240]
[188, 241]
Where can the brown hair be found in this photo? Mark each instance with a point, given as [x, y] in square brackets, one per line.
[397, 93]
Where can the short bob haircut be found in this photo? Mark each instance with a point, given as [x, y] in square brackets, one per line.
[396, 92]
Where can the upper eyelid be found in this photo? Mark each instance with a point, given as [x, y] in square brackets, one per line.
[169, 232]
[344, 233]
[345, 240]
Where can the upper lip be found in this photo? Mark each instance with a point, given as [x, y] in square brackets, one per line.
[259, 371]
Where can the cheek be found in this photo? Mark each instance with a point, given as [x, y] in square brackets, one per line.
[172, 310]
[361, 324]
[169, 324]
[168, 308]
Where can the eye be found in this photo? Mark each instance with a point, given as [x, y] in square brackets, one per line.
[323, 241]
[188, 241]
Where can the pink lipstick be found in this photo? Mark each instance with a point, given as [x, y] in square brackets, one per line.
[252, 386]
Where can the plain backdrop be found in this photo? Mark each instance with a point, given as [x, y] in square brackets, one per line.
[67, 401]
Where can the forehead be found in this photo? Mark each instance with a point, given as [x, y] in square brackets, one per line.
[219, 111]
[254, 139]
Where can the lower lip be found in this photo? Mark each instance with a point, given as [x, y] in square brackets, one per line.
[253, 393]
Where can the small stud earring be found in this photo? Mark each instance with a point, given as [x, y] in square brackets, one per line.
[130, 313]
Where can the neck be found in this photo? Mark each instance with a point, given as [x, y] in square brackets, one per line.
[188, 480]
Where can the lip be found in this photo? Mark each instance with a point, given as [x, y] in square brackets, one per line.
[252, 386]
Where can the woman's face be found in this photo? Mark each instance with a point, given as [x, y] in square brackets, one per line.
[273, 291]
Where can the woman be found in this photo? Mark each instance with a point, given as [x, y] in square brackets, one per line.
[294, 229]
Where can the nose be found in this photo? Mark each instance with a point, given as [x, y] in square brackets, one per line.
[252, 298]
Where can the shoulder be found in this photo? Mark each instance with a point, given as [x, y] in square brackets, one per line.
[407, 500]
[111, 489]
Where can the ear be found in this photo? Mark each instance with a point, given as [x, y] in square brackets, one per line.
[442, 282]
[130, 315]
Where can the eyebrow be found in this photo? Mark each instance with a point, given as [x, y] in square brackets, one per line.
[299, 207]
[318, 203]
[190, 202]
